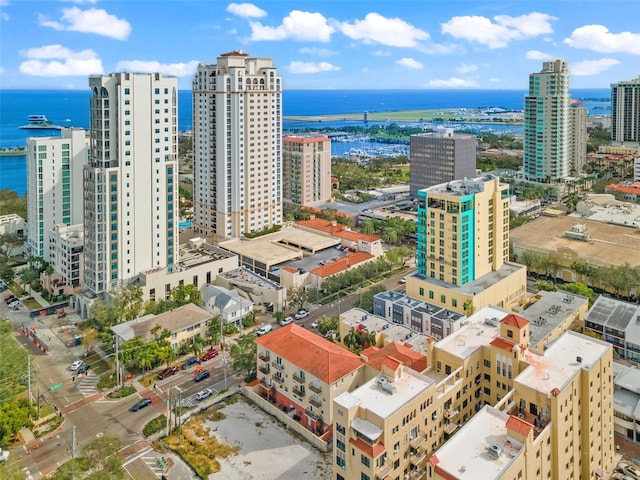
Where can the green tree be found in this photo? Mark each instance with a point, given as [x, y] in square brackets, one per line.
[28, 276]
[14, 415]
[298, 297]
[468, 307]
[243, 356]
[326, 324]
[579, 289]
[100, 459]
[197, 345]
[9, 242]
[365, 299]
[11, 202]
[89, 337]
[184, 294]
[400, 255]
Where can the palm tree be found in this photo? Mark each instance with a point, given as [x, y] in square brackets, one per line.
[28, 276]
[197, 345]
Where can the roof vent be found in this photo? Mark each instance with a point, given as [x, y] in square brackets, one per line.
[385, 385]
[494, 451]
[579, 359]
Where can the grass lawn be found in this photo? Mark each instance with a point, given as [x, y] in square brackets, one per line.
[31, 304]
[197, 447]
[98, 365]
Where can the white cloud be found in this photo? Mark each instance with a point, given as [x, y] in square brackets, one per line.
[453, 82]
[152, 66]
[592, 67]
[494, 80]
[599, 39]
[1, 70]
[318, 52]
[381, 53]
[392, 32]
[94, 20]
[246, 10]
[59, 61]
[311, 67]
[300, 26]
[4, 15]
[537, 55]
[499, 32]
[466, 68]
[409, 63]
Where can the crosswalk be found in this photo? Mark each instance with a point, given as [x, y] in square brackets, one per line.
[87, 384]
[156, 462]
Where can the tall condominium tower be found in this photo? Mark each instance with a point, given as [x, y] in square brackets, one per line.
[440, 157]
[237, 137]
[577, 138]
[547, 124]
[463, 229]
[54, 183]
[131, 182]
[625, 111]
[306, 161]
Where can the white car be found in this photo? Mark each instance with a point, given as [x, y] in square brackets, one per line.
[314, 324]
[75, 365]
[286, 321]
[403, 280]
[301, 314]
[266, 328]
[202, 394]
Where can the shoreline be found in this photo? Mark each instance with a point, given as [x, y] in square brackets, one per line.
[13, 152]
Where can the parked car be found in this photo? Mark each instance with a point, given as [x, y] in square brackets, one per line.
[213, 353]
[9, 298]
[167, 372]
[301, 314]
[265, 328]
[403, 280]
[15, 306]
[314, 324]
[14, 303]
[3, 287]
[202, 394]
[145, 402]
[83, 368]
[286, 321]
[76, 365]
[190, 363]
[201, 376]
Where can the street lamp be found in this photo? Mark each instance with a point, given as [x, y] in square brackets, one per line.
[179, 414]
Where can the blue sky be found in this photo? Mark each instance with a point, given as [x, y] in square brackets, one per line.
[352, 44]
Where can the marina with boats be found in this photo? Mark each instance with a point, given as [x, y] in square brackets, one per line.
[39, 122]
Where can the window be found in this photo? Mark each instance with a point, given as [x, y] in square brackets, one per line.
[364, 476]
[366, 461]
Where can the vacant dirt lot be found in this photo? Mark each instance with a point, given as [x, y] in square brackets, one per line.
[266, 450]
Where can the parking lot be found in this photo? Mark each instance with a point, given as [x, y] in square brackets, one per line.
[267, 450]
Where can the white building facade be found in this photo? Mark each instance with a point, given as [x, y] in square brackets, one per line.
[66, 243]
[237, 127]
[131, 182]
[54, 183]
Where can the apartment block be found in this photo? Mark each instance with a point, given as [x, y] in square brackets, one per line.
[463, 247]
[301, 373]
[625, 111]
[440, 157]
[547, 124]
[306, 169]
[237, 137]
[626, 401]
[131, 181]
[54, 182]
[577, 139]
[488, 406]
[66, 245]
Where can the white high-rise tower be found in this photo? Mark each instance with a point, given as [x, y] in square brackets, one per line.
[237, 139]
[547, 124]
[131, 182]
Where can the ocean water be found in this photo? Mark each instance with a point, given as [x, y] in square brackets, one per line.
[71, 108]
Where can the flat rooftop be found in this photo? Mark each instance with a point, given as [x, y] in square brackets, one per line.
[191, 256]
[404, 300]
[617, 213]
[382, 403]
[479, 284]
[477, 331]
[549, 311]
[559, 363]
[608, 245]
[466, 456]
[242, 275]
[612, 313]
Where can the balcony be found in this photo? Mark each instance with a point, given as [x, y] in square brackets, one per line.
[298, 379]
[417, 474]
[277, 378]
[419, 440]
[264, 357]
[449, 428]
[299, 391]
[315, 388]
[277, 366]
[312, 415]
[315, 403]
[265, 369]
[384, 470]
[450, 413]
[418, 456]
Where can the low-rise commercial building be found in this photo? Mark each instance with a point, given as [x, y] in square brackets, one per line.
[615, 322]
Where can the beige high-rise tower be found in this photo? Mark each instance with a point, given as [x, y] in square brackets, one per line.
[237, 133]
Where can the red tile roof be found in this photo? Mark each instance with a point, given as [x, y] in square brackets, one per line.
[290, 269]
[514, 320]
[306, 139]
[518, 425]
[399, 352]
[503, 344]
[337, 230]
[371, 451]
[633, 188]
[312, 353]
[341, 264]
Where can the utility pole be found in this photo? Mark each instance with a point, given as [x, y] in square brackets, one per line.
[117, 364]
[169, 412]
[179, 415]
[73, 442]
[29, 377]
